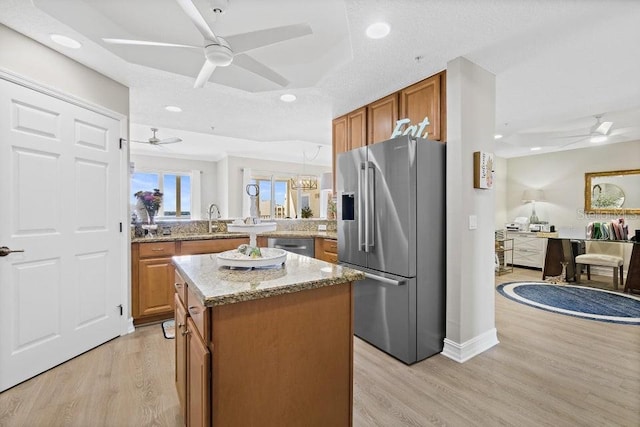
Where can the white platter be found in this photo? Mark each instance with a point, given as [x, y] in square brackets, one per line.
[270, 256]
[252, 228]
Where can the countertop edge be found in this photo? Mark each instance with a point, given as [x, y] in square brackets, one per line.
[220, 236]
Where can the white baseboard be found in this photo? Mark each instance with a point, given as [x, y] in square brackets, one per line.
[468, 349]
[128, 327]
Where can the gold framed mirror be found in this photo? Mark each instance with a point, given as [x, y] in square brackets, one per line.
[612, 192]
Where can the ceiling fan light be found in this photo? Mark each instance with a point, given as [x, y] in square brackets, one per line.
[497, 136]
[219, 55]
[598, 138]
[173, 108]
[378, 30]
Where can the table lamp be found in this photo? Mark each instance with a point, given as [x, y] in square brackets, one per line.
[533, 196]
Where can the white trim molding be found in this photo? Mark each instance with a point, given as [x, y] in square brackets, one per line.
[470, 348]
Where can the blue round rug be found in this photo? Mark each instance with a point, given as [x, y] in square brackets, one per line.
[578, 301]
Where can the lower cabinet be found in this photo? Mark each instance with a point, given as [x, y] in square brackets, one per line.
[198, 378]
[181, 354]
[193, 366]
[326, 249]
[266, 362]
[152, 274]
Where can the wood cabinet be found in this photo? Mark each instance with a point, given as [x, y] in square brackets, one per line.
[422, 100]
[192, 362]
[213, 246]
[280, 360]
[152, 281]
[326, 249]
[357, 128]
[181, 353]
[375, 122]
[382, 116]
[198, 404]
[152, 274]
[339, 137]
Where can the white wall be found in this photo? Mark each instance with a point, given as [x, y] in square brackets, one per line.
[500, 190]
[208, 177]
[235, 165]
[561, 176]
[26, 57]
[470, 321]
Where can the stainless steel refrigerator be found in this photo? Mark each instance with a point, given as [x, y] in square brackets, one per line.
[391, 226]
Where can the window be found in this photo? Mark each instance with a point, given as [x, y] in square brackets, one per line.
[176, 189]
[274, 197]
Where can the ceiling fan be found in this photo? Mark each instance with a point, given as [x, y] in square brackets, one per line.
[223, 52]
[599, 132]
[154, 140]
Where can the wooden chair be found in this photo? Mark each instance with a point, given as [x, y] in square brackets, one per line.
[607, 254]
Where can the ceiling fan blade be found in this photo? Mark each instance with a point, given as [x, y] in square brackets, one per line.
[570, 136]
[573, 142]
[250, 64]
[255, 39]
[204, 74]
[198, 20]
[169, 140]
[148, 43]
[604, 128]
[141, 142]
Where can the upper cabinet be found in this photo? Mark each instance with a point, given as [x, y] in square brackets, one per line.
[382, 115]
[376, 122]
[423, 100]
[339, 137]
[357, 128]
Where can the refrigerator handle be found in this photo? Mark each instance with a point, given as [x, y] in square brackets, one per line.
[361, 192]
[371, 205]
[384, 279]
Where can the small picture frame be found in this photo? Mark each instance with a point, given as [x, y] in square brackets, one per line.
[483, 170]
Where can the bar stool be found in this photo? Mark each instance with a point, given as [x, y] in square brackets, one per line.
[606, 254]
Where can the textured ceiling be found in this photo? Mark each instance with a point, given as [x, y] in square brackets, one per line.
[557, 63]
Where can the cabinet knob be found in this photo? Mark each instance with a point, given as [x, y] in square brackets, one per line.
[186, 332]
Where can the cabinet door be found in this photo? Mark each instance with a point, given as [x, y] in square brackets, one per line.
[210, 246]
[339, 138]
[382, 116]
[357, 128]
[181, 355]
[155, 286]
[198, 379]
[423, 100]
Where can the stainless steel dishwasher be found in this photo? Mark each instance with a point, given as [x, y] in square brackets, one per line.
[301, 246]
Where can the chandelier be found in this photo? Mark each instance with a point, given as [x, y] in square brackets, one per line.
[304, 182]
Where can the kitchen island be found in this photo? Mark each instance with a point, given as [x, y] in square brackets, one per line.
[270, 346]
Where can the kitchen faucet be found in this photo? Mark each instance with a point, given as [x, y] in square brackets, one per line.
[213, 208]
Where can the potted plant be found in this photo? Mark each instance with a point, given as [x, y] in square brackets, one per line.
[306, 212]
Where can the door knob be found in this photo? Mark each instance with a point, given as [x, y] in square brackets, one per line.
[4, 251]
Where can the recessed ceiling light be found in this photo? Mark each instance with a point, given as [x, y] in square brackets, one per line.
[378, 30]
[65, 41]
[173, 109]
[288, 97]
[497, 136]
[536, 148]
[596, 139]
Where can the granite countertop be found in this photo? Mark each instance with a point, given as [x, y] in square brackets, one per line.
[206, 236]
[218, 285]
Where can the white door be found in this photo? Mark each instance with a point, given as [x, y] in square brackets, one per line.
[59, 202]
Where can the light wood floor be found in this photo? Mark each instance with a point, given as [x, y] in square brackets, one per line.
[548, 369]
